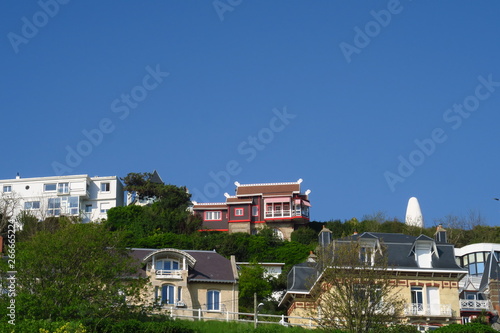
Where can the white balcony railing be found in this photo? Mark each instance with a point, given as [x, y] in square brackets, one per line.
[474, 304]
[436, 310]
[286, 213]
[168, 274]
[279, 213]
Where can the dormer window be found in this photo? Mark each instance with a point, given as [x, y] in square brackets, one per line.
[423, 250]
[366, 255]
[166, 265]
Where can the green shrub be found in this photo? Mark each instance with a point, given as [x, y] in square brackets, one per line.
[467, 328]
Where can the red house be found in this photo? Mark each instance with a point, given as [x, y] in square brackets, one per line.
[279, 206]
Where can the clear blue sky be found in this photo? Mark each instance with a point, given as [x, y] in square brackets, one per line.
[337, 93]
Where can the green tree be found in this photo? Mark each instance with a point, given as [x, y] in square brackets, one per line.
[354, 290]
[252, 281]
[79, 271]
[304, 236]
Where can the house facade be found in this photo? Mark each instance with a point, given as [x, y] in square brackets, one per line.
[77, 195]
[183, 280]
[479, 288]
[279, 206]
[423, 272]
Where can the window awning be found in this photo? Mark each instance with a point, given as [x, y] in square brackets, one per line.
[306, 203]
[277, 199]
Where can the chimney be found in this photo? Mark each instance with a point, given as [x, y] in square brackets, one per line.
[440, 235]
[17, 176]
[355, 233]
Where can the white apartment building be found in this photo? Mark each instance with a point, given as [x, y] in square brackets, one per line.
[78, 195]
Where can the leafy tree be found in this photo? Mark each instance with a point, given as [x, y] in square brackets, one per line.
[352, 293]
[76, 272]
[304, 236]
[169, 211]
[252, 281]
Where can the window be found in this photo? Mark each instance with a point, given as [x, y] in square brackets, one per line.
[105, 187]
[417, 300]
[366, 255]
[88, 208]
[278, 233]
[74, 205]
[54, 206]
[105, 206]
[49, 187]
[238, 212]
[7, 188]
[213, 216]
[32, 205]
[167, 265]
[63, 188]
[165, 294]
[255, 210]
[213, 300]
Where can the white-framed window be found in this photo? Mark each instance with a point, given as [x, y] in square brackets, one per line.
[238, 212]
[30, 205]
[74, 205]
[63, 188]
[417, 300]
[54, 206]
[278, 233]
[366, 255]
[49, 187]
[166, 264]
[213, 300]
[213, 216]
[105, 187]
[255, 210]
[165, 294]
[104, 207]
[7, 188]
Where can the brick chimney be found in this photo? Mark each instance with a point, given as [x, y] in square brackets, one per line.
[440, 235]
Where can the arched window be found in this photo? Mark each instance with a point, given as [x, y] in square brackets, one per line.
[213, 300]
[165, 294]
[278, 233]
[166, 265]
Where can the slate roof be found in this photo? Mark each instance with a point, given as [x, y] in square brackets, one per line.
[399, 252]
[155, 178]
[209, 266]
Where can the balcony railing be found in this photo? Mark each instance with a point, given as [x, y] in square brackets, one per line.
[168, 274]
[285, 213]
[436, 310]
[474, 304]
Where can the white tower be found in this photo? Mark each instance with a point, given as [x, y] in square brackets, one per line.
[414, 214]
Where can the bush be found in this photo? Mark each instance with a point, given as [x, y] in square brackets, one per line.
[397, 329]
[467, 328]
[44, 326]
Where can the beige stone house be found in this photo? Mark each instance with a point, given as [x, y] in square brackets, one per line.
[183, 280]
[425, 275]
